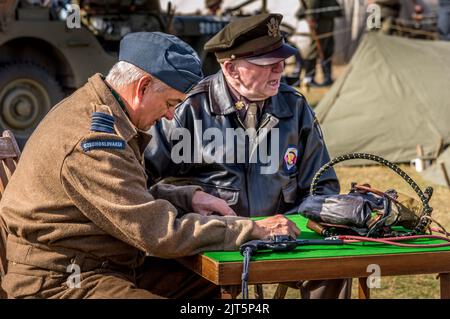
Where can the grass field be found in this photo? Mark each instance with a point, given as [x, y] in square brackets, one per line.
[423, 286]
[401, 287]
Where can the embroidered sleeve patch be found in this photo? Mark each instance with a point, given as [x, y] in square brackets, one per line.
[290, 159]
[89, 145]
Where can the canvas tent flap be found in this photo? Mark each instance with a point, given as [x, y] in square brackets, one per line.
[394, 96]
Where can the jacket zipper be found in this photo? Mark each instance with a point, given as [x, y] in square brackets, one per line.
[248, 172]
[245, 170]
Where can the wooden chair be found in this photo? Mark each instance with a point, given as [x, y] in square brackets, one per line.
[9, 157]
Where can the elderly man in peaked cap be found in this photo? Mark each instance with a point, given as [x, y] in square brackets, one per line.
[247, 95]
[80, 220]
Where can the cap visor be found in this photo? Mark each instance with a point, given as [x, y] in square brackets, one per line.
[275, 56]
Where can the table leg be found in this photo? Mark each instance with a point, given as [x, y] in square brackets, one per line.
[259, 291]
[363, 291]
[229, 292]
[280, 293]
[445, 285]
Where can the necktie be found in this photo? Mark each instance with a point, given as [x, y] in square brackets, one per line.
[251, 117]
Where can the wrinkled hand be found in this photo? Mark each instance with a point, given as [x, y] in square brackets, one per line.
[275, 225]
[205, 204]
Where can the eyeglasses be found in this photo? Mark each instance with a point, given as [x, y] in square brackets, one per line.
[268, 66]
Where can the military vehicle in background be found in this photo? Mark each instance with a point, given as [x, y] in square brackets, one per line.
[350, 29]
[42, 59]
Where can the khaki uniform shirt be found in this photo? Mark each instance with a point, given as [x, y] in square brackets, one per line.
[81, 195]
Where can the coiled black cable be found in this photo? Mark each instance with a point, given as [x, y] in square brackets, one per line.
[424, 197]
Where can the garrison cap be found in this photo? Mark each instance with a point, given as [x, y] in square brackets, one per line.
[257, 39]
[164, 56]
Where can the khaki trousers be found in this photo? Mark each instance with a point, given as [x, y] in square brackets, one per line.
[157, 278]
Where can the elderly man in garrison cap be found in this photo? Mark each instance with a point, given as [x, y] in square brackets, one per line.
[283, 146]
[80, 220]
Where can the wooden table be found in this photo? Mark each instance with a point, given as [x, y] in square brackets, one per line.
[228, 274]
[309, 263]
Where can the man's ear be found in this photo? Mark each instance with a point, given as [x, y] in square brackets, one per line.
[141, 86]
[230, 68]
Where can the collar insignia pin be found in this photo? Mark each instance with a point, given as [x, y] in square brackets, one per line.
[239, 105]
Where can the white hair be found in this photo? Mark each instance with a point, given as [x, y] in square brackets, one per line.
[123, 74]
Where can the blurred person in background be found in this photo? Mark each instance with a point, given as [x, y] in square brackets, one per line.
[320, 16]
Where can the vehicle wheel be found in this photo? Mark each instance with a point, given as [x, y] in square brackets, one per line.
[27, 93]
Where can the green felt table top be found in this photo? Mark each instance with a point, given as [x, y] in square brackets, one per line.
[324, 251]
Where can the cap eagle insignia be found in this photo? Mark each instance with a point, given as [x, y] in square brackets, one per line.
[273, 28]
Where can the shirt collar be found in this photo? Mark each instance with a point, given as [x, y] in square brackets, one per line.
[240, 101]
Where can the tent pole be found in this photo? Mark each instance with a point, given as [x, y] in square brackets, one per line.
[421, 165]
[444, 171]
[440, 147]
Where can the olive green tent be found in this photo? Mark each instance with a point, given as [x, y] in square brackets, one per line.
[439, 172]
[394, 95]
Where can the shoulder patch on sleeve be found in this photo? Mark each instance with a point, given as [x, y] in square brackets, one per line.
[109, 144]
[102, 122]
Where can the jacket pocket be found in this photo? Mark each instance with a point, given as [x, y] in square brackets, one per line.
[21, 286]
[290, 191]
[228, 194]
